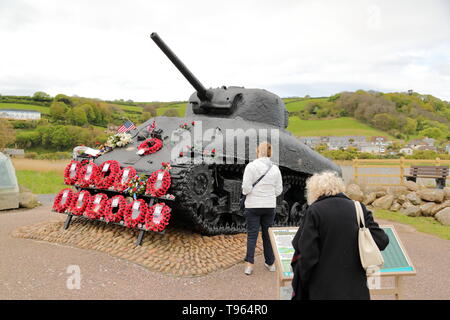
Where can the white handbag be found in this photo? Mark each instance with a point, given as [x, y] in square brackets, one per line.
[371, 258]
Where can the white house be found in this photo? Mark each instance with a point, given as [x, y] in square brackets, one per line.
[407, 151]
[20, 114]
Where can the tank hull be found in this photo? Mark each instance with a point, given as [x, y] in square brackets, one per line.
[206, 185]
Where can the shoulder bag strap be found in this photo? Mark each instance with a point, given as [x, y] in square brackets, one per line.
[359, 214]
[260, 178]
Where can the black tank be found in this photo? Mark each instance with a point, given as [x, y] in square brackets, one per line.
[234, 120]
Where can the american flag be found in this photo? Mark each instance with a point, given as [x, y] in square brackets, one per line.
[127, 126]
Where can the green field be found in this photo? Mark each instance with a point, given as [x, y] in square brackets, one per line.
[181, 107]
[344, 126]
[40, 182]
[293, 105]
[20, 106]
[423, 224]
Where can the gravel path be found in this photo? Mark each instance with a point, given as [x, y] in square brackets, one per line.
[37, 270]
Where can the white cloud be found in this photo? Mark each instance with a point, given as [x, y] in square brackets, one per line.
[103, 49]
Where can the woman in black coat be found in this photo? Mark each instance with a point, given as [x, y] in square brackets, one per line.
[326, 263]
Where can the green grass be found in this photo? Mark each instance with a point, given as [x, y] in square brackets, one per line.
[181, 107]
[344, 126]
[293, 105]
[423, 224]
[20, 106]
[41, 182]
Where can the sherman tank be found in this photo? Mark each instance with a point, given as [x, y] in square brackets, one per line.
[222, 127]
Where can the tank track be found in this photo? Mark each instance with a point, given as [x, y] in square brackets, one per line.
[207, 198]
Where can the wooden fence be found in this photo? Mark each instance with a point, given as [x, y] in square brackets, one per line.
[401, 163]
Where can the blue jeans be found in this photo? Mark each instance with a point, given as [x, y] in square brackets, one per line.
[256, 217]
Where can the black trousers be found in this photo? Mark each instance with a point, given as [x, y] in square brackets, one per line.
[259, 217]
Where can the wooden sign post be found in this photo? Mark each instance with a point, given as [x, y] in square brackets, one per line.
[396, 262]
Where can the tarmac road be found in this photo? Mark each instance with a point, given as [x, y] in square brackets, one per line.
[32, 269]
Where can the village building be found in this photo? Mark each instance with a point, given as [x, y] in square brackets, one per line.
[20, 114]
[406, 151]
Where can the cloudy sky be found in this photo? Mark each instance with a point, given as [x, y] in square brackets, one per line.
[291, 47]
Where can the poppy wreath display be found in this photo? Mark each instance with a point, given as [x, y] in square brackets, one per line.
[157, 217]
[121, 182]
[96, 207]
[108, 173]
[63, 200]
[78, 206]
[72, 172]
[114, 208]
[88, 176]
[137, 206]
[158, 183]
[149, 146]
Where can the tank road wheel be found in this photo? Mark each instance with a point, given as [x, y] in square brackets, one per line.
[282, 214]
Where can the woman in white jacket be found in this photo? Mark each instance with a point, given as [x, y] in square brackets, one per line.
[260, 203]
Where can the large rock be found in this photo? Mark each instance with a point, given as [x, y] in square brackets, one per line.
[411, 186]
[402, 199]
[384, 202]
[395, 206]
[439, 207]
[412, 211]
[414, 198]
[447, 193]
[443, 216]
[380, 193]
[397, 191]
[407, 204]
[353, 191]
[432, 195]
[427, 207]
[28, 200]
[368, 199]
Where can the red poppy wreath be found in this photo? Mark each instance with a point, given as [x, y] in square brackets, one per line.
[63, 200]
[149, 146]
[72, 172]
[97, 204]
[157, 217]
[80, 201]
[135, 213]
[158, 183]
[89, 175]
[108, 173]
[114, 209]
[123, 178]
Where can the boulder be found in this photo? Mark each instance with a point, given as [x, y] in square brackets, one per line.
[402, 199]
[411, 186]
[412, 211]
[407, 204]
[427, 207]
[353, 191]
[384, 202]
[432, 195]
[443, 216]
[395, 206]
[380, 193]
[368, 199]
[414, 198]
[439, 207]
[28, 200]
[397, 191]
[447, 193]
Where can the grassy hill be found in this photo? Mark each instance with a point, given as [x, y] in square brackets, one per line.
[20, 106]
[344, 126]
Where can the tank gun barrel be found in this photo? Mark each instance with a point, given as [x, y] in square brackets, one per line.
[202, 92]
